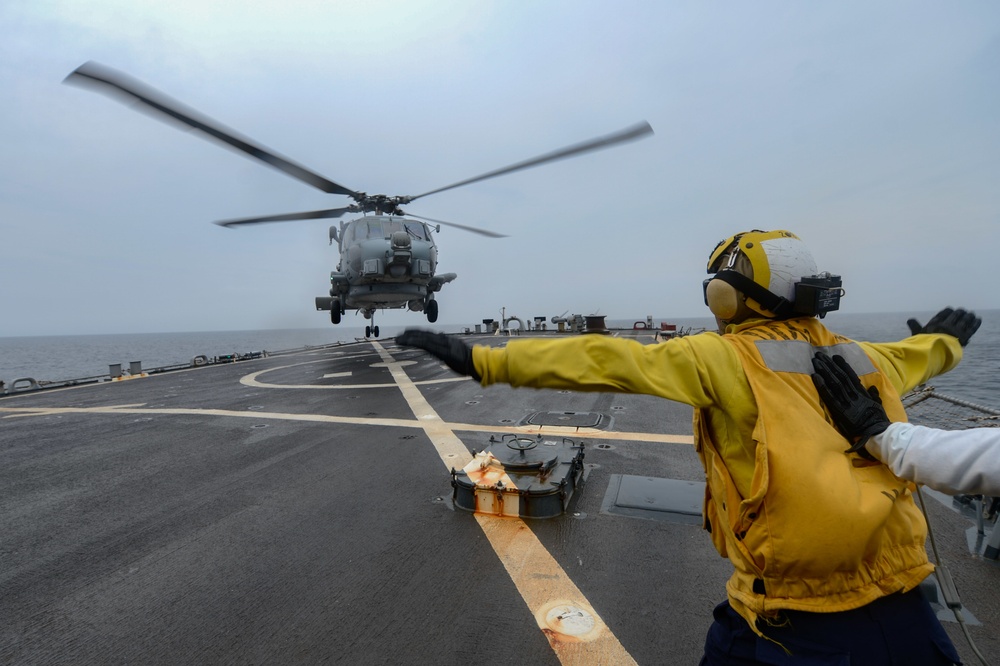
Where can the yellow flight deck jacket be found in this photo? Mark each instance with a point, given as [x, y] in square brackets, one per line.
[807, 526]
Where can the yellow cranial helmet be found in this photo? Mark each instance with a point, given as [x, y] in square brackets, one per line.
[773, 262]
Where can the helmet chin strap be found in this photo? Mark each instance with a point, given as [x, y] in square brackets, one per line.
[780, 307]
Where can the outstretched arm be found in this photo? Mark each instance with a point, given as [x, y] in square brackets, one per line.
[934, 348]
[456, 354]
[959, 323]
[699, 370]
[951, 461]
[954, 462]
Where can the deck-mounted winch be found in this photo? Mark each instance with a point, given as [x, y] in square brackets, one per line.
[530, 477]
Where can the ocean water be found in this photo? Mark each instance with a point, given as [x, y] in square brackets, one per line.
[62, 357]
[59, 358]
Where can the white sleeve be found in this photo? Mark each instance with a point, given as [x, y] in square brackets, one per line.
[951, 461]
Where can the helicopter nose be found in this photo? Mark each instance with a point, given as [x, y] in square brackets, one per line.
[399, 260]
[401, 241]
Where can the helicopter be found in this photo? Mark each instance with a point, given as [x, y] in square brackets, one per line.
[388, 258]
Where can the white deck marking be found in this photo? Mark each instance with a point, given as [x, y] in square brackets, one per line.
[251, 380]
[338, 375]
[537, 575]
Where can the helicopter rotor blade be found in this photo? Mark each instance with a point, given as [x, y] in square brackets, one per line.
[287, 217]
[475, 230]
[636, 131]
[132, 91]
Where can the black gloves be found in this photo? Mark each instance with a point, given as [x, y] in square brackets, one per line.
[456, 354]
[857, 413]
[958, 323]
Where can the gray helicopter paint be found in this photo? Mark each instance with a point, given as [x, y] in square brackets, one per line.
[386, 262]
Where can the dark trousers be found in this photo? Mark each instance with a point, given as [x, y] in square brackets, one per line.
[897, 630]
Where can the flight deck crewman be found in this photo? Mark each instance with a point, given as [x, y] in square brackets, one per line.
[828, 548]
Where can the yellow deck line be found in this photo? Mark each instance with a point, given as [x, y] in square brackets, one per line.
[582, 433]
[14, 412]
[576, 433]
[536, 574]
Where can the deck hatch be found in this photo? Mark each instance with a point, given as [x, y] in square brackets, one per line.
[670, 500]
[568, 419]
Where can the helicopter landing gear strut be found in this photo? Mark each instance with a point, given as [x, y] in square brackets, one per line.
[431, 309]
[371, 330]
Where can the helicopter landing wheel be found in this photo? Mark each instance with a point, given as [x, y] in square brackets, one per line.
[375, 331]
[432, 311]
[368, 331]
[335, 312]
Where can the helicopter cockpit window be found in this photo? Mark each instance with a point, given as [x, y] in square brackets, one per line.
[373, 229]
[416, 230]
[391, 226]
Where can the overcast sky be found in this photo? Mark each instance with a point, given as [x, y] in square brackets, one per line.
[872, 130]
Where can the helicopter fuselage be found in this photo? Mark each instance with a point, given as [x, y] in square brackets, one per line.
[386, 261]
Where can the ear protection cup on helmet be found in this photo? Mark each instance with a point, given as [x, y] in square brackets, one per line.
[722, 299]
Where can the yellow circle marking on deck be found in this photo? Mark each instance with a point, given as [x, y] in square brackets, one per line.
[538, 577]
